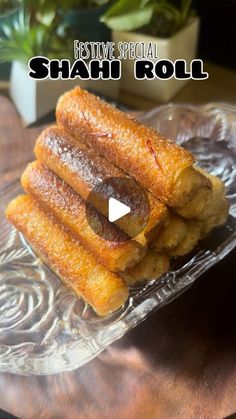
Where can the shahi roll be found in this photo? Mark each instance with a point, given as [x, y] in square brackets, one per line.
[209, 204]
[160, 165]
[87, 173]
[103, 290]
[199, 207]
[194, 234]
[217, 219]
[179, 236]
[55, 196]
[152, 266]
[171, 234]
[219, 206]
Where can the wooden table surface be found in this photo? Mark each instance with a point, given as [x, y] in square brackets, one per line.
[180, 363]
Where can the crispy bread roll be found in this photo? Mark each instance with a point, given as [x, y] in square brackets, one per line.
[207, 200]
[152, 266]
[171, 234]
[219, 207]
[56, 197]
[217, 219]
[158, 164]
[191, 239]
[199, 207]
[105, 291]
[158, 216]
[83, 169]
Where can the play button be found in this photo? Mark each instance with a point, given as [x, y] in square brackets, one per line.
[116, 210]
[123, 202]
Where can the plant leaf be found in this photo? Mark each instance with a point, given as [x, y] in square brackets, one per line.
[23, 41]
[144, 3]
[185, 9]
[100, 2]
[128, 16]
[46, 18]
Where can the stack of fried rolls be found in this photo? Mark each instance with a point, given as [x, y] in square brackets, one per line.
[91, 143]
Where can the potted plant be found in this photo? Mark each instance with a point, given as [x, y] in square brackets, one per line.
[23, 39]
[170, 24]
[8, 10]
[82, 16]
[41, 28]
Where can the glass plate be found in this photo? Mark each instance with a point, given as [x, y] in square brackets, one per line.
[44, 328]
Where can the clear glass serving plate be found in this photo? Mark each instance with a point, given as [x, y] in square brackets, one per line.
[44, 327]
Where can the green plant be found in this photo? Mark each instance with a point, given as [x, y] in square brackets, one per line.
[45, 6]
[50, 12]
[41, 29]
[155, 17]
[22, 40]
[7, 5]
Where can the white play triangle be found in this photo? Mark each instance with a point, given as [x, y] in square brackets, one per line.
[116, 210]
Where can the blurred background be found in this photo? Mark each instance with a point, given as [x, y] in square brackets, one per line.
[181, 29]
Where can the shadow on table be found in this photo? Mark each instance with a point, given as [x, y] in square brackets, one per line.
[203, 318]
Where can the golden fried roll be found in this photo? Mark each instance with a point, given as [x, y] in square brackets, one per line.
[217, 219]
[219, 201]
[158, 216]
[207, 201]
[56, 197]
[83, 169]
[104, 290]
[218, 185]
[171, 234]
[152, 266]
[158, 164]
[199, 206]
[191, 239]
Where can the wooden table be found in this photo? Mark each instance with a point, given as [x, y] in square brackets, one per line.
[180, 363]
